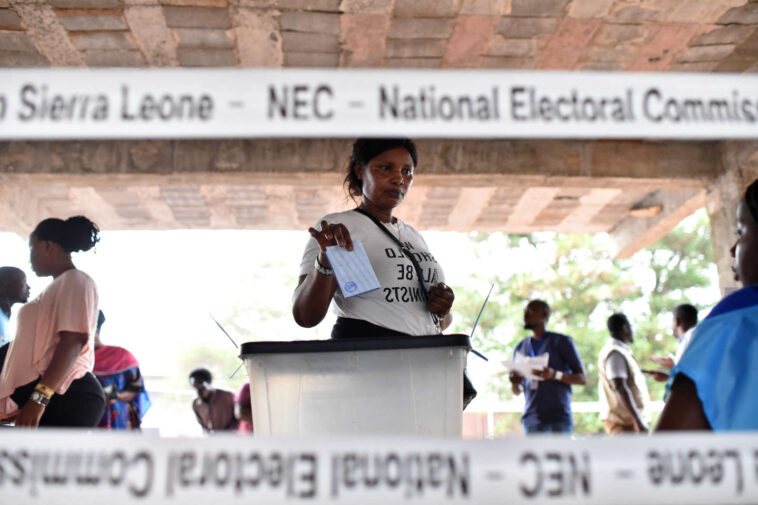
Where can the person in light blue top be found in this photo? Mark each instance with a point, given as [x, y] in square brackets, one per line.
[13, 289]
[712, 387]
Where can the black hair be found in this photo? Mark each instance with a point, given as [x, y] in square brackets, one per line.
[7, 273]
[201, 373]
[100, 320]
[76, 233]
[616, 324]
[541, 304]
[366, 149]
[751, 199]
[686, 314]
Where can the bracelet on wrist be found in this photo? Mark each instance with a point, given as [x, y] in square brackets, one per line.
[558, 376]
[44, 390]
[323, 270]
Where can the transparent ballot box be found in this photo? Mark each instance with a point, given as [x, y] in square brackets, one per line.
[394, 385]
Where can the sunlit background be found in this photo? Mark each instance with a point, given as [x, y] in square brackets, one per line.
[158, 290]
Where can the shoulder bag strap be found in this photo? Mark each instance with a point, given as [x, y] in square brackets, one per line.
[405, 250]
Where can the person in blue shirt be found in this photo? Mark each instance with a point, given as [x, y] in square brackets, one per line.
[13, 289]
[548, 400]
[712, 387]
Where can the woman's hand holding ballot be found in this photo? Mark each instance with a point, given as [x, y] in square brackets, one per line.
[315, 291]
[331, 234]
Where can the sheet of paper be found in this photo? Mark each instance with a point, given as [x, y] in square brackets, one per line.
[353, 270]
[525, 365]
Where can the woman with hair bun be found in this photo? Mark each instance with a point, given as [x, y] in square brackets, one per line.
[47, 379]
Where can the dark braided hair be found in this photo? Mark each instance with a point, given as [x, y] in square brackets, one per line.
[366, 149]
[751, 199]
[76, 233]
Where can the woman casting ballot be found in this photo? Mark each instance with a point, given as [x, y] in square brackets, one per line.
[47, 379]
[413, 298]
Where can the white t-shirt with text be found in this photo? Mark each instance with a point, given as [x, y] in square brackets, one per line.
[399, 304]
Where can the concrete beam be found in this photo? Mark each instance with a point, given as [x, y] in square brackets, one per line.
[130, 201]
[152, 201]
[472, 204]
[529, 206]
[663, 164]
[635, 233]
[486, 185]
[151, 33]
[259, 41]
[589, 206]
[48, 34]
[20, 210]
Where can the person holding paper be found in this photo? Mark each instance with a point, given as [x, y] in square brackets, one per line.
[413, 298]
[548, 390]
[685, 320]
[624, 398]
[712, 387]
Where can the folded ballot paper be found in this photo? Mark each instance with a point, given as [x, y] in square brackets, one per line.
[353, 270]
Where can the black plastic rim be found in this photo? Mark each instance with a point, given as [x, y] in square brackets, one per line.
[354, 344]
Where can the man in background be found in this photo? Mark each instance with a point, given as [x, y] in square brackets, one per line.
[623, 392]
[548, 400]
[13, 289]
[214, 408]
[685, 320]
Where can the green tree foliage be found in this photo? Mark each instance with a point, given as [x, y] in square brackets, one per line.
[584, 284]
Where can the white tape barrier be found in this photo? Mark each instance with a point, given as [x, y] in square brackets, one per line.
[188, 103]
[50, 467]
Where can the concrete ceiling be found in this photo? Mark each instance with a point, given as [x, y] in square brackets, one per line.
[644, 35]
[636, 190]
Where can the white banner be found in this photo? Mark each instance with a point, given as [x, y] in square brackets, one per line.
[236, 103]
[57, 467]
